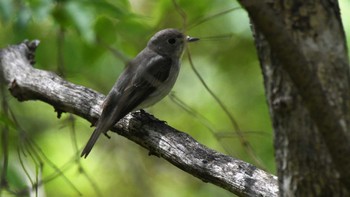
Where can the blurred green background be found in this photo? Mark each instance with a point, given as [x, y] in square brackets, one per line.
[75, 37]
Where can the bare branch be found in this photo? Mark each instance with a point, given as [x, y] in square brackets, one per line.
[180, 149]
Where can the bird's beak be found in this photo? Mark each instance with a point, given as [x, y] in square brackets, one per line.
[191, 39]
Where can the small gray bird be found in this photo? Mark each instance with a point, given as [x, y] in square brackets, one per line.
[146, 80]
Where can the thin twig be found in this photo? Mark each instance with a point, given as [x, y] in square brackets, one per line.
[200, 21]
[245, 143]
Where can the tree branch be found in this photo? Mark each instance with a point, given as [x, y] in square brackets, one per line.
[27, 83]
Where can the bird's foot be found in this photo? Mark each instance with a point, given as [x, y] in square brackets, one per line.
[151, 117]
[109, 137]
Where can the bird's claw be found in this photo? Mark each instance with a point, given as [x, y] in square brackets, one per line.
[109, 137]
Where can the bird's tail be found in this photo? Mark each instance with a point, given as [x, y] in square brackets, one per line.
[97, 132]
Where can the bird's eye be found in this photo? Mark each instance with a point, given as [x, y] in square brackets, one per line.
[171, 41]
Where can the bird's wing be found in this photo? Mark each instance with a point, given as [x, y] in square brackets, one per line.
[133, 87]
[145, 82]
[123, 98]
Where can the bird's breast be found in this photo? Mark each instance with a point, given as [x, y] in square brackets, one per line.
[163, 88]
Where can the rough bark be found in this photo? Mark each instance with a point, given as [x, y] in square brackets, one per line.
[303, 55]
[27, 83]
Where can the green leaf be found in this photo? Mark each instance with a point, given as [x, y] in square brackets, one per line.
[82, 16]
[41, 8]
[105, 30]
[118, 12]
[23, 17]
[6, 10]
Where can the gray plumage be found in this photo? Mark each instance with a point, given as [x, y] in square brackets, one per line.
[147, 79]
